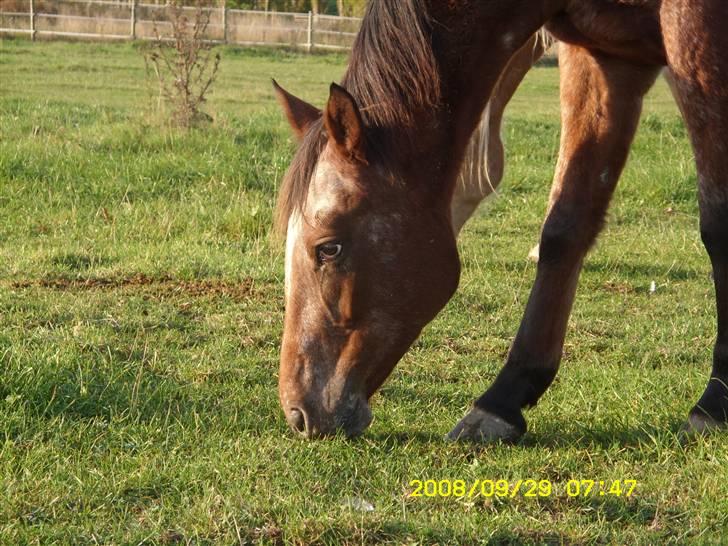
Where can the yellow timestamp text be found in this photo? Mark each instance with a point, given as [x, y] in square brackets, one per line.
[528, 488]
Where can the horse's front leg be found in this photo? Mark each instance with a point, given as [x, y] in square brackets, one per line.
[601, 101]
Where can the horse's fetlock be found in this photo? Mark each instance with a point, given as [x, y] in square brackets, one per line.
[714, 233]
[539, 379]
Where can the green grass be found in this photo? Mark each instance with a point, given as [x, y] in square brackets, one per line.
[141, 311]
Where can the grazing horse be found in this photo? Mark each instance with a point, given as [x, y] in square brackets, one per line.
[370, 250]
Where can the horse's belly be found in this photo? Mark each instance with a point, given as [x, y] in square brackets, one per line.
[626, 28]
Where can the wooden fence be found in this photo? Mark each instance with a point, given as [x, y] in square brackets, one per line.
[135, 20]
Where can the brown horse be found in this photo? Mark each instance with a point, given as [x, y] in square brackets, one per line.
[371, 255]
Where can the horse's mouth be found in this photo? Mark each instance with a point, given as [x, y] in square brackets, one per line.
[351, 422]
[357, 420]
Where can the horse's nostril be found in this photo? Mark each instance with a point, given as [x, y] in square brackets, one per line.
[297, 420]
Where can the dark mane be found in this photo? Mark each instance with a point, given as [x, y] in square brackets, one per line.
[392, 70]
[392, 74]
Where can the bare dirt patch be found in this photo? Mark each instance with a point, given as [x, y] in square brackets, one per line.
[145, 284]
[618, 287]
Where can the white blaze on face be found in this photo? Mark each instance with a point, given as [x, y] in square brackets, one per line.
[321, 197]
[292, 235]
[326, 191]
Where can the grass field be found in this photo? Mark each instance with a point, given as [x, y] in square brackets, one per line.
[141, 305]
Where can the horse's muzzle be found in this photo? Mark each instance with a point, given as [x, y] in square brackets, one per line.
[352, 420]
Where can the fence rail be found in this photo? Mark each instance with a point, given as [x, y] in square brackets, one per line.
[135, 20]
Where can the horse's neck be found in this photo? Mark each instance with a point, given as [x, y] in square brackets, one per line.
[473, 42]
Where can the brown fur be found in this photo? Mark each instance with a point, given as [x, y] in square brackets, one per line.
[374, 189]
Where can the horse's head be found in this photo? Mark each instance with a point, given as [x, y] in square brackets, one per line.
[369, 262]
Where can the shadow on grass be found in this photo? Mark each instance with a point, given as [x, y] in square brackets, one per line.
[601, 437]
[554, 437]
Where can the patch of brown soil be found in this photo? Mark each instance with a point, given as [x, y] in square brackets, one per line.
[158, 286]
[618, 287]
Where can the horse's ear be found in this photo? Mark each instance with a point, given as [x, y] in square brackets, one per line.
[344, 124]
[301, 115]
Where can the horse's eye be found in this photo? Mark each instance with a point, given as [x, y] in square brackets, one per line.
[328, 252]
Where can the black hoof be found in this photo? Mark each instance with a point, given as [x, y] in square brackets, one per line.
[700, 424]
[484, 427]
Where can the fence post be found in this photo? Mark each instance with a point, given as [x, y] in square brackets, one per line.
[224, 22]
[32, 21]
[309, 46]
[133, 19]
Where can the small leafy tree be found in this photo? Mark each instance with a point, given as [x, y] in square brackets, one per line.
[183, 63]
